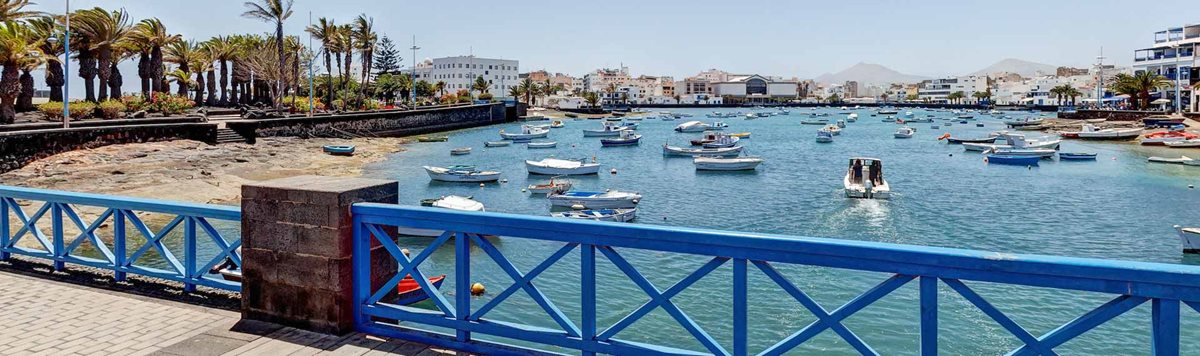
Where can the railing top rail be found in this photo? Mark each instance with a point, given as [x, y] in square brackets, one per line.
[219, 212]
[1114, 276]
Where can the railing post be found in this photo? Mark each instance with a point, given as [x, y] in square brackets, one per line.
[119, 251]
[4, 233]
[462, 284]
[57, 233]
[929, 316]
[189, 253]
[360, 270]
[587, 269]
[298, 251]
[740, 300]
[1165, 315]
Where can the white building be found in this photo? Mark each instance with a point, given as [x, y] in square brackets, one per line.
[1174, 51]
[700, 99]
[459, 73]
[756, 89]
[938, 89]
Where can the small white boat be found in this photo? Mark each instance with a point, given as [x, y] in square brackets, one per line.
[904, 132]
[561, 167]
[1183, 144]
[542, 144]
[452, 202]
[557, 124]
[852, 118]
[611, 199]
[497, 143]
[864, 179]
[1168, 160]
[1190, 238]
[824, 136]
[669, 150]
[833, 129]
[718, 125]
[460, 151]
[528, 132]
[692, 126]
[555, 186]
[1090, 132]
[613, 215]
[609, 130]
[841, 123]
[461, 174]
[1013, 141]
[1023, 152]
[704, 163]
[722, 141]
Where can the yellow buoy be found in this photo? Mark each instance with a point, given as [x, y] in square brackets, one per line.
[477, 289]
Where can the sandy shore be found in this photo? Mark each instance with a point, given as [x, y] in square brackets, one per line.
[194, 171]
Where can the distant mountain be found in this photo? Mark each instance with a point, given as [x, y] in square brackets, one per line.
[1024, 68]
[869, 73]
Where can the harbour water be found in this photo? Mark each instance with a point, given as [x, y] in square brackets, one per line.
[1118, 207]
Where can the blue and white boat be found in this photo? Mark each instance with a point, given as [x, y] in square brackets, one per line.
[722, 141]
[824, 136]
[338, 150]
[528, 132]
[561, 167]
[611, 199]
[669, 150]
[614, 215]
[1013, 160]
[609, 130]
[627, 138]
[461, 174]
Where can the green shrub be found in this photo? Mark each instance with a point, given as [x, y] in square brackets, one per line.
[486, 96]
[53, 110]
[371, 104]
[338, 103]
[82, 110]
[134, 103]
[171, 104]
[464, 99]
[112, 109]
[300, 103]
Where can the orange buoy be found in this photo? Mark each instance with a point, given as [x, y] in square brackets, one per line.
[477, 289]
[944, 136]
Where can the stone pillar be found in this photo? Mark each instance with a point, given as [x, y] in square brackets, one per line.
[296, 249]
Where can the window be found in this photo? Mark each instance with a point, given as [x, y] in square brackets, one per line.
[756, 86]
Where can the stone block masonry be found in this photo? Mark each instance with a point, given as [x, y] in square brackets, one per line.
[378, 123]
[18, 148]
[297, 242]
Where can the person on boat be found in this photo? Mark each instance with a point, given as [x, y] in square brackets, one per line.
[857, 171]
[876, 172]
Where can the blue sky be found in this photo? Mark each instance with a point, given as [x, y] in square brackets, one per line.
[679, 38]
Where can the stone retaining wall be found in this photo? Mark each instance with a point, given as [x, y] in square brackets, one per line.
[1111, 115]
[379, 123]
[21, 147]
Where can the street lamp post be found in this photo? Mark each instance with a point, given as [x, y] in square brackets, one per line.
[310, 68]
[1177, 48]
[67, 69]
[413, 79]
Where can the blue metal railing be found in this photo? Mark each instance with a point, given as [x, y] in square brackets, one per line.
[1165, 286]
[79, 219]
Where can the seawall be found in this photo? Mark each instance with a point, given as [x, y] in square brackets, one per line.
[18, 148]
[377, 123]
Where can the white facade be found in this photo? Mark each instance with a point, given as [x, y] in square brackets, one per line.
[938, 89]
[459, 73]
[1174, 51]
[700, 99]
[755, 87]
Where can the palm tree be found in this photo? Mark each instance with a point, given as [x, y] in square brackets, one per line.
[480, 85]
[25, 98]
[325, 31]
[153, 36]
[14, 10]
[365, 38]
[528, 88]
[272, 11]
[223, 50]
[515, 91]
[106, 31]
[1072, 93]
[346, 34]
[18, 45]
[44, 28]
[182, 54]
[440, 87]
[591, 98]
[1147, 82]
[1124, 84]
[86, 56]
[181, 77]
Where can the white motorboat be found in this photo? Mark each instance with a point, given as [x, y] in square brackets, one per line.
[705, 163]
[1168, 160]
[1091, 132]
[609, 130]
[908, 114]
[561, 167]
[452, 202]
[824, 136]
[613, 215]
[555, 186]
[669, 150]
[864, 179]
[461, 174]
[722, 141]
[905, 132]
[833, 129]
[460, 151]
[692, 126]
[611, 199]
[718, 125]
[542, 144]
[852, 117]
[1024, 122]
[1190, 238]
[1013, 141]
[1183, 144]
[1023, 152]
[528, 132]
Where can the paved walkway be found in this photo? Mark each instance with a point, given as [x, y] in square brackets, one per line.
[43, 317]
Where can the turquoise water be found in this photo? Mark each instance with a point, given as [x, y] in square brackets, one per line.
[1117, 207]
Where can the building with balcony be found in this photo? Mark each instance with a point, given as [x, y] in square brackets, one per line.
[1173, 56]
[937, 90]
[756, 89]
[459, 73]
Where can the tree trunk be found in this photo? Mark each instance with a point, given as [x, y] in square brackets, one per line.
[25, 99]
[199, 89]
[224, 84]
[145, 73]
[9, 88]
[212, 88]
[87, 71]
[329, 69]
[156, 70]
[114, 82]
[105, 68]
[279, 48]
[54, 79]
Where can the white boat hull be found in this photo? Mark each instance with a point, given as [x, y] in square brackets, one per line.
[693, 152]
[458, 177]
[594, 202]
[617, 215]
[1189, 237]
[585, 169]
[726, 164]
